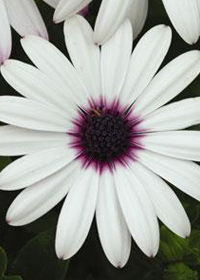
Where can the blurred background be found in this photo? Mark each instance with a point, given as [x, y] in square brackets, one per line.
[28, 252]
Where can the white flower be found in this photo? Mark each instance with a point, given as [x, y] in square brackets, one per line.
[184, 14]
[24, 17]
[110, 16]
[97, 130]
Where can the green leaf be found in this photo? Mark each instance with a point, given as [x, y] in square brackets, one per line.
[194, 241]
[3, 267]
[38, 261]
[172, 247]
[192, 257]
[3, 261]
[192, 207]
[180, 271]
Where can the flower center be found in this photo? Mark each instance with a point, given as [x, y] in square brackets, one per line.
[105, 135]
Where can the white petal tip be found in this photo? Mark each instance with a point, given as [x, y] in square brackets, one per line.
[3, 61]
[187, 234]
[30, 38]
[12, 219]
[26, 38]
[8, 221]
[61, 256]
[164, 26]
[55, 20]
[11, 222]
[164, 29]
[99, 39]
[23, 39]
[119, 266]
[191, 41]
[151, 254]
[168, 29]
[97, 43]
[57, 17]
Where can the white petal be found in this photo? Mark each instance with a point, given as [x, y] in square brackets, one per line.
[66, 9]
[15, 141]
[31, 114]
[52, 3]
[84, 54]
[35, 85]
[109, 18]
[198, 5]
[138, 211]
[38, 199]
[145, 61]
[169, 82]
[183, 174]
[177, 115]
[32, 168]
[5, 34]
[113, 232]
[77, 214]
[137, 13]
[185, 18]
[25, 17]
[54, 64]
[84, 11]
[167, 206]
[115, 57]
[178, 144]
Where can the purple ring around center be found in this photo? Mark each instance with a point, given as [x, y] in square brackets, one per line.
[95, 119]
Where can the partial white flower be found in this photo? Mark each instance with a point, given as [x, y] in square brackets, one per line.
[24, 17]
[97, 131]
[184, 15]
[110, 16]
[83, 10]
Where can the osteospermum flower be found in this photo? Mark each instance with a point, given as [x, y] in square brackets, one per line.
[110, 15]
[184, 14]
[97, 131]
[24, 17]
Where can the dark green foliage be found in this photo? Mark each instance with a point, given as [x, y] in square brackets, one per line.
[180, 271]
[37, 260]
[3, 261]
[172, 247]
[3, 267]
